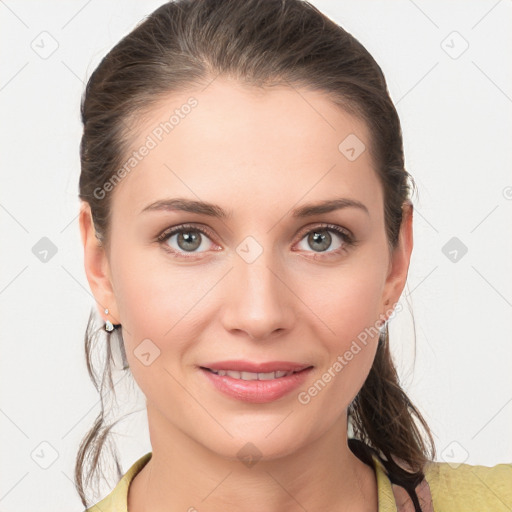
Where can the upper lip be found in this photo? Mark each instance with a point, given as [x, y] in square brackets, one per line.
[264, 367]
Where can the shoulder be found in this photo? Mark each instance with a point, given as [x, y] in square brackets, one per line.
[117, 500]
[462, 487]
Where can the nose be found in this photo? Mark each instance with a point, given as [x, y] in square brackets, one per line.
[259, 301]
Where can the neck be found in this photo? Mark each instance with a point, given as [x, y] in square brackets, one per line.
[184, 475]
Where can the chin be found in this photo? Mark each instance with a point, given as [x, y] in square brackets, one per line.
[261, 441]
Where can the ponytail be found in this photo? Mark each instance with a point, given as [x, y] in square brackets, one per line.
[383, 424]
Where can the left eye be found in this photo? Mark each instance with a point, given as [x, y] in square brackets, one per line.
[320, 239]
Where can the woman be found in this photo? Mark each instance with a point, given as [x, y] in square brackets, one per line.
[247, 231]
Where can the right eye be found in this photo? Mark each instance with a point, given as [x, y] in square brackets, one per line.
[189, 239]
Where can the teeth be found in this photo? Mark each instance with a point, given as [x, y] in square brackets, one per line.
[252, 376]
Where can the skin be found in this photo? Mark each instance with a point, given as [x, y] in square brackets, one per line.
[259, 153]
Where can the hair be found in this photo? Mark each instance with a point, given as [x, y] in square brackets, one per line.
[262, 43]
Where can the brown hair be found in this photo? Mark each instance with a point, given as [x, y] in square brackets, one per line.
[187, 43]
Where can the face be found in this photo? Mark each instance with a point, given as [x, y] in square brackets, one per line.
[268, 281]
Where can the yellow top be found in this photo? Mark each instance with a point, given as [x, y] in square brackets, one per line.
[453, 487]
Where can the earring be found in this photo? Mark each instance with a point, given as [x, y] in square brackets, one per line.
[109, 326]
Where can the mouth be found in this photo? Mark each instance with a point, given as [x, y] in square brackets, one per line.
[252, 375]
[255, 383]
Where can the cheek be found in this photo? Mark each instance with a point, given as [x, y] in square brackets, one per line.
[348, 309]
[347, 304]
[152, 292]
[346, 300]
[160, 301]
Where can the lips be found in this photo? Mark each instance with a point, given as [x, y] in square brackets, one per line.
[256, 382]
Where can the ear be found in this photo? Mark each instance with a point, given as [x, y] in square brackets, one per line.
[399, 262]
[97, 267]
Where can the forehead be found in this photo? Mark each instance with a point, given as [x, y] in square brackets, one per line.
[248, 148]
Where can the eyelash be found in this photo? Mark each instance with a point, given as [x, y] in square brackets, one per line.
[347, 238]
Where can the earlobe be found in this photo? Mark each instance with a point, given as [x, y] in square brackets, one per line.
[96, 266]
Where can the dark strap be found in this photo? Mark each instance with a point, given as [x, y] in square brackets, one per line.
[407, 499]
[420, 501]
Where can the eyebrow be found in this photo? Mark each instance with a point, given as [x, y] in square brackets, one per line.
[213, 210]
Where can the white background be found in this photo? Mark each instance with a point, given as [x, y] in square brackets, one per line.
[457, 126]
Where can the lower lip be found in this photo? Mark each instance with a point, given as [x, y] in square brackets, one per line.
[257, 391]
